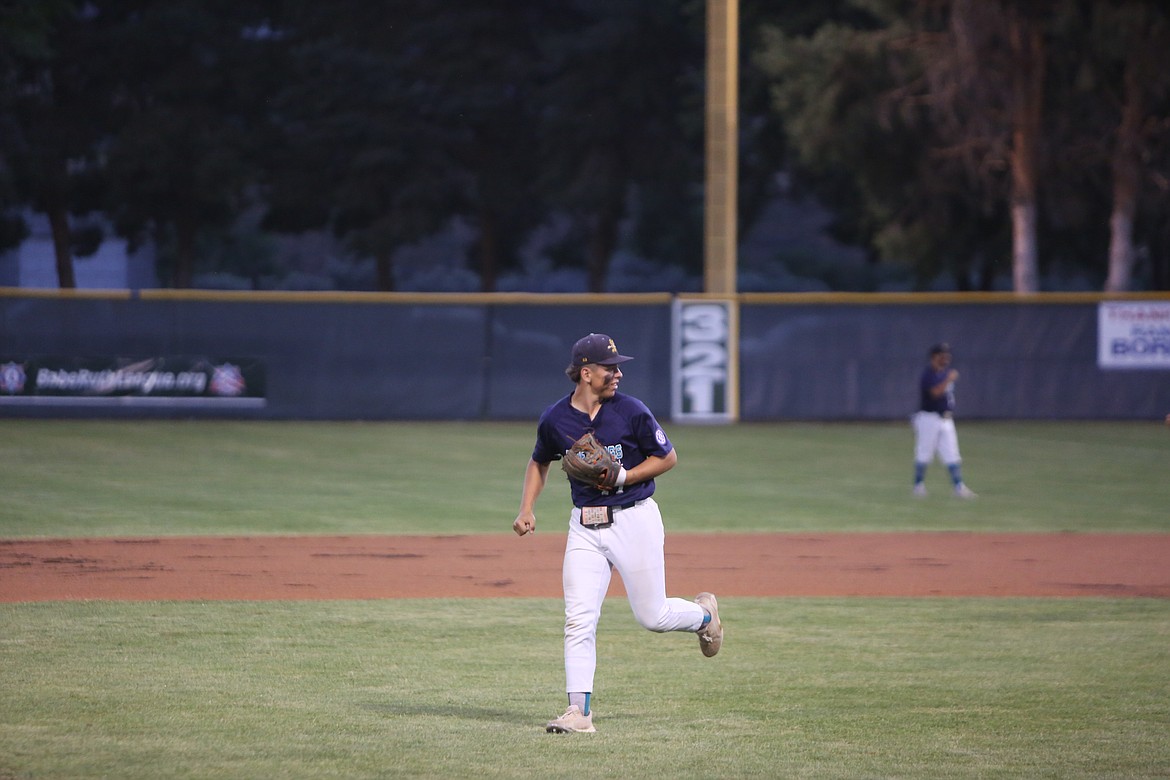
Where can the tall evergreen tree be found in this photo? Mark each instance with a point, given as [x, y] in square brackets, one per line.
[621, 123]
[188, 80]
[54, 110]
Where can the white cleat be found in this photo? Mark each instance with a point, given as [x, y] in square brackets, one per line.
[572, 722]
[710, 635]
[962, 491]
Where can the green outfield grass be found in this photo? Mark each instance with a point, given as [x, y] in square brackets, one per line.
[71, 478]
[825, 688]
[828, 688]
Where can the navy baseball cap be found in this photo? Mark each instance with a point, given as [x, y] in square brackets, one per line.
[940, 348]
[597, 349]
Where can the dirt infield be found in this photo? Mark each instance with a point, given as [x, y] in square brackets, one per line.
[373, 567]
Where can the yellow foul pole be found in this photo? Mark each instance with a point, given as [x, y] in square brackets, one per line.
[722, 134]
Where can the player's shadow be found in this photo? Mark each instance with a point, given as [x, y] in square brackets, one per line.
[452, 710]
[455, 710]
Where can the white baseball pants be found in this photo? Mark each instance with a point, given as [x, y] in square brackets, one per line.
[933, 434]
[634, 546]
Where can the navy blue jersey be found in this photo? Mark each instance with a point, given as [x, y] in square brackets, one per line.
[624, 425]
[930, 403]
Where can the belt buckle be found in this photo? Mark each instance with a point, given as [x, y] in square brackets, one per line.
[597, 516]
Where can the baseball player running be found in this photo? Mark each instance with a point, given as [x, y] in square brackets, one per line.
[934, 423]
[615, 523]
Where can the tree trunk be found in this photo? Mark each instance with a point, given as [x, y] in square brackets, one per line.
[1027, 43]
[1127, 169]
[963, 260]
[184, 253]
[62, 247]
[1025, 273]
[384, 271]
[986, 271]
[602, 242]
[488, 249]
[1160, 259]
[1120, 243]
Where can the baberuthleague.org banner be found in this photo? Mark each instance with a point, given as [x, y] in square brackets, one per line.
[154, 381]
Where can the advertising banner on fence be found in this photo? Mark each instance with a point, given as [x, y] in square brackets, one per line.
[180, 381]
[1133, 335]
[704, 361]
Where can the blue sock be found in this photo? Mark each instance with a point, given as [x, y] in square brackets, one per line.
[706, 620]
[919, 472]
[956, 474]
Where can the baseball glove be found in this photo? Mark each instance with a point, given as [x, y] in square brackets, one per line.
[589, 462]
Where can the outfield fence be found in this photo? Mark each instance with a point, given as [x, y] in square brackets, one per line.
[750, 357]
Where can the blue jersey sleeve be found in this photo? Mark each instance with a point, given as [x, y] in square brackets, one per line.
[551, 443]
[651, 438]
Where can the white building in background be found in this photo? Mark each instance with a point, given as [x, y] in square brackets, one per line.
[33, 264]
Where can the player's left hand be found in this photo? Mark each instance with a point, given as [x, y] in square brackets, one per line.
[590, 463]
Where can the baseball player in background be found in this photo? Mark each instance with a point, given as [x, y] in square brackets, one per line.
[934, 422]
[615, 522]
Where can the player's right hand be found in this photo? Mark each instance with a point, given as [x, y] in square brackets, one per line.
[524, 524]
